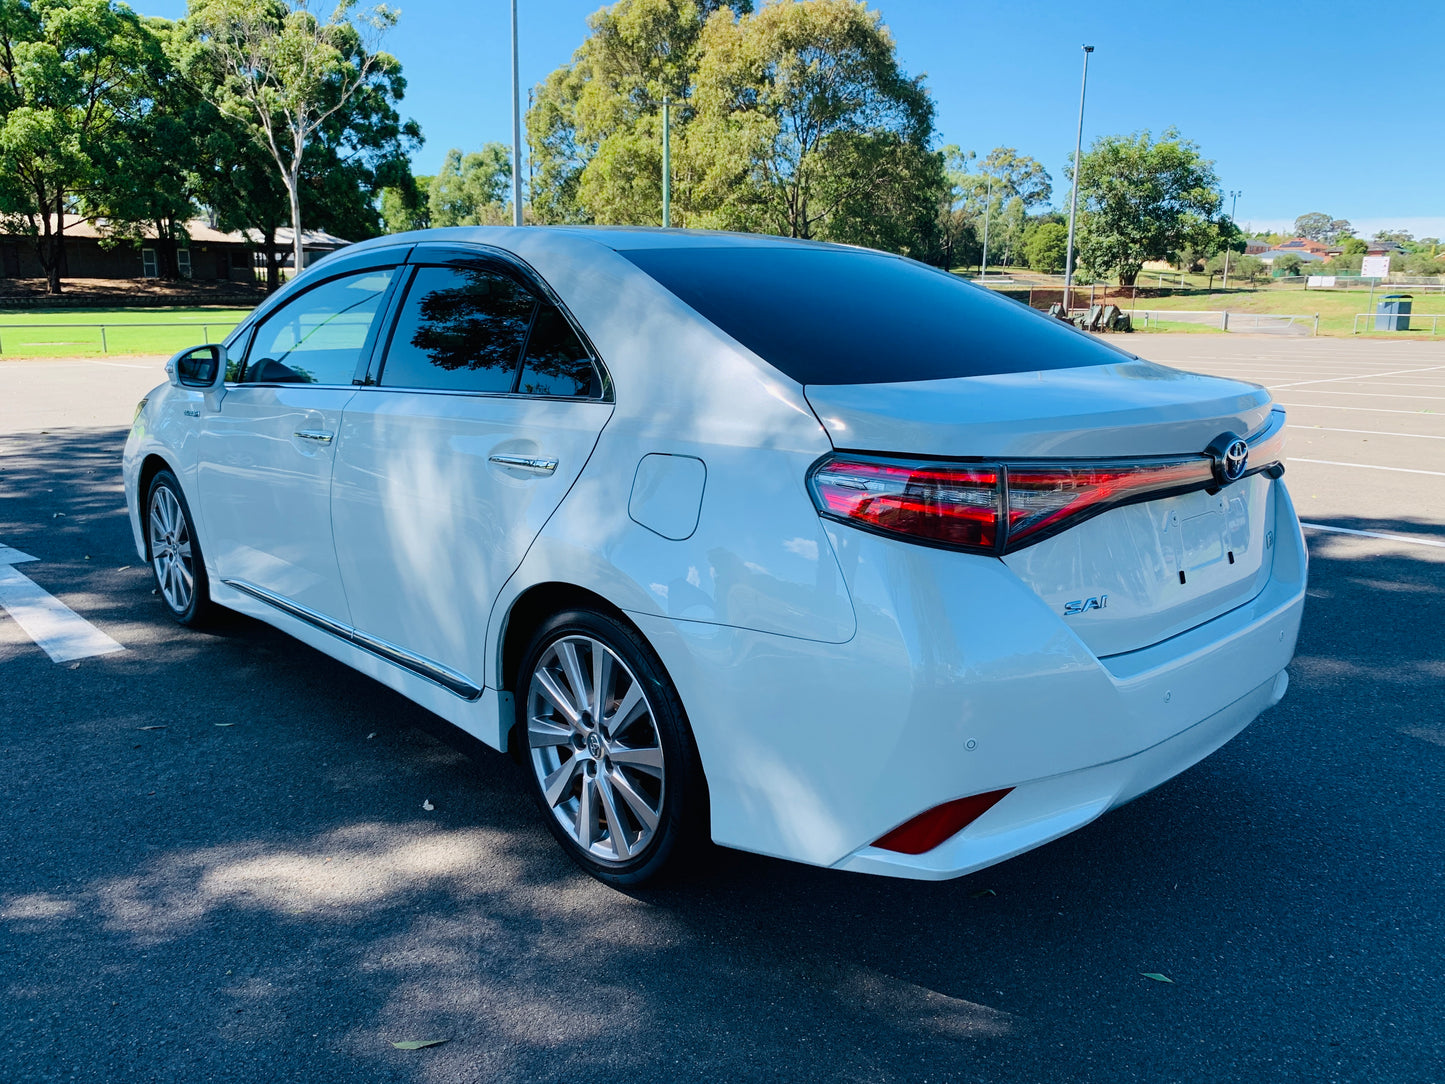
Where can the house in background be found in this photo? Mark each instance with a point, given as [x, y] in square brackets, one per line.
[1304, 254]
[210, 255]
[1318, 249]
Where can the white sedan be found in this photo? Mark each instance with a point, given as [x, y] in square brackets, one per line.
[815, 550]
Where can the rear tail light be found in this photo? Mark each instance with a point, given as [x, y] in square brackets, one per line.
[928, 830]
[1000, 507]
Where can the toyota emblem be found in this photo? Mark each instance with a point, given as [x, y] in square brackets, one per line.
[1230, 455]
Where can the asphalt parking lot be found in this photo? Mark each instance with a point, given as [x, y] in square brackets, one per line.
[217, 863]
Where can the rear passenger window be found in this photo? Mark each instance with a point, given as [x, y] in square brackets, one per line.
[318, 337]
[557, 363]
[461, 329]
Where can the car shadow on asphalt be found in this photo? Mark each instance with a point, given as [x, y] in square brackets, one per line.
[260, 881]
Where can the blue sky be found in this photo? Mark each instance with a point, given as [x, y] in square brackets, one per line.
[1305, 105]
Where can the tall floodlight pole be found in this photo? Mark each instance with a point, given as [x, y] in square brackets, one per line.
[987, 208]
[1074, 197]
[666, 165]
[1233, 202]
[516, 127]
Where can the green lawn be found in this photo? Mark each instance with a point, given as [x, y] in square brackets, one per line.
[1336, 308]
[74, 332]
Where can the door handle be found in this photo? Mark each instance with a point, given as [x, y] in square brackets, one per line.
[536, 464]
[320, 436]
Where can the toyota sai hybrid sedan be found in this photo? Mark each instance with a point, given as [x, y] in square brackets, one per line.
[814, 550]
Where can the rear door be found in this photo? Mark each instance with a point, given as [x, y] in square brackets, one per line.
[484, 410]
[265, 456]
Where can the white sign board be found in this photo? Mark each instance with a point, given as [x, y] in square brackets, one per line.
[1320, 281]
[1375, 267]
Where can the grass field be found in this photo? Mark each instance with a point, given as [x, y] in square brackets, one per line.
[78, 332]
[1336, 308]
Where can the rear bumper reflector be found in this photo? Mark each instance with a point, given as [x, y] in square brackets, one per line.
[928, 830]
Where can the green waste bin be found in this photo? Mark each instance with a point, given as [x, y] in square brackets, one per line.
[1393, 312]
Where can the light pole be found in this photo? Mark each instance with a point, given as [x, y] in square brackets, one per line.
[666, 164]
[987, 208]
[1233, 202]
[516, 127]
[1074, 197]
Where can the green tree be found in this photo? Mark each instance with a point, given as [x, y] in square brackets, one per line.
[1241, 268]
[68, 83]
[471, 190]
[1355, 246]
[1046, 246]
[1287, 264]
[405, 206]
[290, 73]
[595, 124]
[1317, 226]
[152, 186]
[806, 126]
[1314, 226]
[1144, 199]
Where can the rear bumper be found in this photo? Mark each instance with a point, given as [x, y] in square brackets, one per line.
[1039, 812]
[960, 680]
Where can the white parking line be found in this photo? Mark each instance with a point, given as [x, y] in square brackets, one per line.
[1365, 466]
[1370, 394]
[123, 365]
[57, 629]
[1340, 379]
[1366, 432]
[1369, 409]
[1373, 534]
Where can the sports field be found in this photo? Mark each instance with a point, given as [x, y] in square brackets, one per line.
[1336, 308]
[92, 332]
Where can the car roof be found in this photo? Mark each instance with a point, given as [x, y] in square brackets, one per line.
[617, 238]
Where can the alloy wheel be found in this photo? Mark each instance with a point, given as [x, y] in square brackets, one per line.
[595, 748]
[171, 552]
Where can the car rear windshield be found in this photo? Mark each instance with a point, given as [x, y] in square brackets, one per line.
[846, 316]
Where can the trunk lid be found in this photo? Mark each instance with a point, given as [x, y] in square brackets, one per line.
[1096, 411]
[1133, 575]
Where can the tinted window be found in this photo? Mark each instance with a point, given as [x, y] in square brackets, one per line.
[841, 316]
[318, 337]
[461, 329]
[557, 363]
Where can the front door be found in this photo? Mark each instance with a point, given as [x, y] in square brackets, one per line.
[266, 455]
[450, 463]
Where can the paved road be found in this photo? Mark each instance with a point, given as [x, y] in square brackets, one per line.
[256, 892]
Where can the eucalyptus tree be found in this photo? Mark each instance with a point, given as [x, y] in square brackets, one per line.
[289, 73]
[807, 126]
[595, 124]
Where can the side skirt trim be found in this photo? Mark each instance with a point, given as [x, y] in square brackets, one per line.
[453, 682]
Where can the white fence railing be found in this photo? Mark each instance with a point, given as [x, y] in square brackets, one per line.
[1281, 323]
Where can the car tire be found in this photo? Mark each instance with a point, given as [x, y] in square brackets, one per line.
[174, 552]
[617, 778]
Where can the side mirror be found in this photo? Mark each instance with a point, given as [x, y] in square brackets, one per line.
[198, 367]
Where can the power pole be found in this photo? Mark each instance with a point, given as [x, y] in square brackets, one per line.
[516, 127]
[1074, 197]
[666, 164]
[1234, 201]
[987, 208]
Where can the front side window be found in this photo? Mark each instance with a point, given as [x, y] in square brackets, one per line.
[461, 329]
[318, 338]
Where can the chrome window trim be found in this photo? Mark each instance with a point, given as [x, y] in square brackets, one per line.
[454, 682]
[374, 388]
